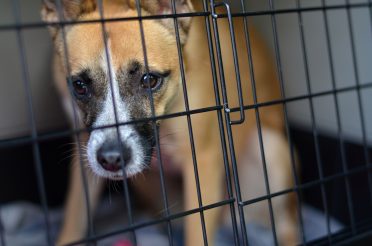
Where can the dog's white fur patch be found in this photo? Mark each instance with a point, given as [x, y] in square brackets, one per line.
[127, 133]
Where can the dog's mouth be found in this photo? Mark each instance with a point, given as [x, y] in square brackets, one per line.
[130, 171]
[115, 171]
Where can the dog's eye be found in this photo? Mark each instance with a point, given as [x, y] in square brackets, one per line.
[151, 81]
[80, 88]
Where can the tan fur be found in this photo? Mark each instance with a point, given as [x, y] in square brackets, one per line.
[162, 56]
[207, 137]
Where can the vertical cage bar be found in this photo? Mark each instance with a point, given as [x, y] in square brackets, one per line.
[221, 126]
[360, 102]
[335, 97]
[118, 134]
[230, 135]
[156, 130]
[286, 123]
[227, 121]
[264, 164]
[32, 122]
[2, 231]
[189, 124]
[313, 120]
[370, 13]
[262, 153]
[236, 62]
[314, 129]
[368, 157]
[59, 6]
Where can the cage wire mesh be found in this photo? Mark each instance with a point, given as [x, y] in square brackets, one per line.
[228, 117]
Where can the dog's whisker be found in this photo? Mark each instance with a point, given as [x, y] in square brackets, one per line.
[60, 162]
[73, 144]
[163, 210]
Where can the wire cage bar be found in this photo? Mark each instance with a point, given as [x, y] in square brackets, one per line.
[213, 12]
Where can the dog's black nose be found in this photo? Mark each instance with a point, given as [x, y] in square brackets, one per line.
[109, 156]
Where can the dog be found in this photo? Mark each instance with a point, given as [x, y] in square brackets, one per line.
[108, 81]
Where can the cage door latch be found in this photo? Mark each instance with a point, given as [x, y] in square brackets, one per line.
[215, 16]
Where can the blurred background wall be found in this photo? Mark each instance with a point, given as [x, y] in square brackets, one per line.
[293, 67]
[14, 118]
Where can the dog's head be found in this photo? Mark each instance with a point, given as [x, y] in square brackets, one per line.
[107, 76]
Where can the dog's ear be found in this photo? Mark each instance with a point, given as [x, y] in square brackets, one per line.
[160, 7]
[70, 10]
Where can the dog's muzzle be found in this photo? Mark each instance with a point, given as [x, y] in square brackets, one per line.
[112, 155]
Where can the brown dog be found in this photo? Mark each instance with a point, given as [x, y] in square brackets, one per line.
[109, 84]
